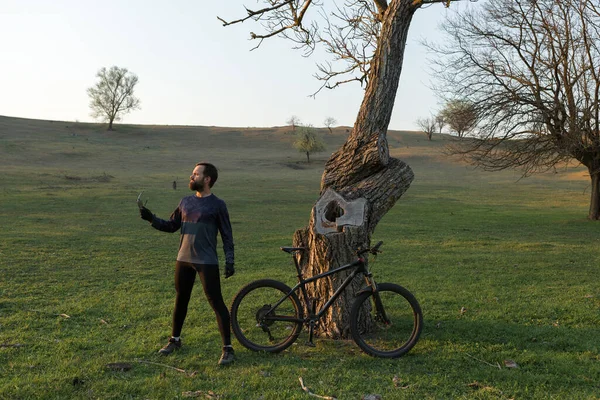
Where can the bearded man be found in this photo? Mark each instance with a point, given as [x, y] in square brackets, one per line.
[199, 217]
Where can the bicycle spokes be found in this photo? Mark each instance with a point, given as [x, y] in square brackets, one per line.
[260, 325]
[381, 315]
[390, 327]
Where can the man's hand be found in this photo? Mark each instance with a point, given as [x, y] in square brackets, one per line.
[229, 270]
[146, 214]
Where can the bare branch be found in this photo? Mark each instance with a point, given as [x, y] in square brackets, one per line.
[254, 14]
[349, 34]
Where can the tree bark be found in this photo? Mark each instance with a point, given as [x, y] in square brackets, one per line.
[361, 183]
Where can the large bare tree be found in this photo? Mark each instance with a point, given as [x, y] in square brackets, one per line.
[532, 69]
[361, 182]
[112, 96]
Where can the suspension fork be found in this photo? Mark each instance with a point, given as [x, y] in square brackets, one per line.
[377, 298]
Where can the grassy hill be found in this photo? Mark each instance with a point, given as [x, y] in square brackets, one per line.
[504, 269]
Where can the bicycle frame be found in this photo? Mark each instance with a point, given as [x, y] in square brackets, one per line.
[359, 267]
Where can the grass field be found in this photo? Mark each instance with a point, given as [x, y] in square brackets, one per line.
[504, 269]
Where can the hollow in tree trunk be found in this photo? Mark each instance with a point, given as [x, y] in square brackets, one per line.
[361, 183]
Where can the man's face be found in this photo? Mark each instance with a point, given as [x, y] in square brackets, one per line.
[198, 181]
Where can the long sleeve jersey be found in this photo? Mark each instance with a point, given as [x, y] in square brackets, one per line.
[200, 218]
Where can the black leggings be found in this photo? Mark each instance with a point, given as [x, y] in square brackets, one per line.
[185, 275]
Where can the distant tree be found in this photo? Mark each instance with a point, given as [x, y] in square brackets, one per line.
[533, 70]
[460, 116]
[440, 121]
[329, 122]
[294, 121]
[112, 96]
[427, 125]
[308, 141]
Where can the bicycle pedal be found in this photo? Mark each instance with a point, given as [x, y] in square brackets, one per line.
[310, 344]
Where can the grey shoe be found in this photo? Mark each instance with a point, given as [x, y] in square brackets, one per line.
[170, 347]
[227, 357]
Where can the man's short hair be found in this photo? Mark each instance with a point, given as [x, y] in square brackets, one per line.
[210, 171]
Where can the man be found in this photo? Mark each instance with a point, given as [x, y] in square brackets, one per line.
[199, 217]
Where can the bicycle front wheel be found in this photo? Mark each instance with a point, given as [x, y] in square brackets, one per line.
[387, 328]
[264, 317]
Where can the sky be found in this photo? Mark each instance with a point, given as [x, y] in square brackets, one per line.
[191, 69]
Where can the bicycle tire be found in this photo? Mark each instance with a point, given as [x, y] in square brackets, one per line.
[386, 340]
[249, 307]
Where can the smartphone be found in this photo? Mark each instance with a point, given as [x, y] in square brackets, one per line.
[140, 203]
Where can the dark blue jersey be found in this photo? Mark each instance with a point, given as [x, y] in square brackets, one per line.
[200, 218]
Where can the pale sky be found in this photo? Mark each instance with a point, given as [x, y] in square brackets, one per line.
[191, 69]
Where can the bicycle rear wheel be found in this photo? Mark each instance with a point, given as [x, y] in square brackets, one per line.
[260, 327]
[391, 332]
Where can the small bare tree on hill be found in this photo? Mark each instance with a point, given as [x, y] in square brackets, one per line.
[329, 122]
[440, 121]
[293, 121]
[427, 125]
[112, 96]
[460, 116]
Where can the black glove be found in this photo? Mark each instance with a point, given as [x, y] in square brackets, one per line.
[146, 214]
[229, 270]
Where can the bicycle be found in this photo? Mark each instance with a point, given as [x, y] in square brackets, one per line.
[385, 319]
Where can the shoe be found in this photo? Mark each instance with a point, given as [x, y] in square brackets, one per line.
[227, 357]
[170, 347]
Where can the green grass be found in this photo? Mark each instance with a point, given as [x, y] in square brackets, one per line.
[516, 256]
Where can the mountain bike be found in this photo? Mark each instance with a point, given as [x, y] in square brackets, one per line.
[385, 319]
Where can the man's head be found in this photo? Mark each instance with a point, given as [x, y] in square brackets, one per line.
[203, 176]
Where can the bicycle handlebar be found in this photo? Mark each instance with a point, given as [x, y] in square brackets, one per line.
[373, 250]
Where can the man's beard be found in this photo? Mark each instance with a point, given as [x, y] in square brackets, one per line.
[194, 186]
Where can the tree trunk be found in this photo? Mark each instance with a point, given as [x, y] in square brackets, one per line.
[594, 213]
[110, 124]
[307, 157]
[361, 183]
